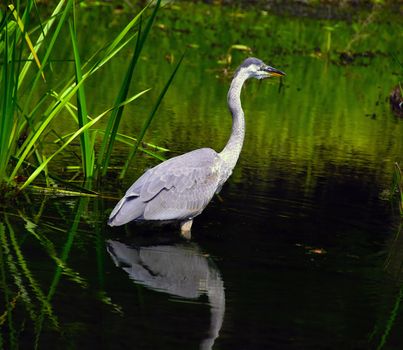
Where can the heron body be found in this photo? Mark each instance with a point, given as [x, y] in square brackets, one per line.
[181, 187]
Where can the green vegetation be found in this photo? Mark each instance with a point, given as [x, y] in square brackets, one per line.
[45, 110]
[22, 291]
[32, 103]
[329, 110]
[313, 140]
[398, 186]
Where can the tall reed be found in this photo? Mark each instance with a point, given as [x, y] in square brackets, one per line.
[24, 122]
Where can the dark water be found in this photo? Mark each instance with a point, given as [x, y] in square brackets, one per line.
[301, 250]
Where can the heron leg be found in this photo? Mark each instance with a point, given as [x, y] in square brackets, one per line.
[185, 228]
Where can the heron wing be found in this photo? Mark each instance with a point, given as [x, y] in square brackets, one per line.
[179, 188]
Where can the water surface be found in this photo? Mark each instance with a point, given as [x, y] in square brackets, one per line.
[300, 251]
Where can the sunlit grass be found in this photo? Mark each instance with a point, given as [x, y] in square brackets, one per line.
[87, 148]
[25, 123]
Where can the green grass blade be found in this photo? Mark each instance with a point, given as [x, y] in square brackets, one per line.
[31, 141]
[110, 50]
[49, 49]
[27, 39]
[116, 42]
[69, 90]
[114, 121]
[43, 35]
[86, 147]
[79, 190]
[394, 314]
[9, 302]
[36, 123]
[148, 121]
[8, 101]
[42, 166]
[77, 133]
[14, 271]
[82, 202]
[126, 139]
[27, 273]
[4, 104]
[51, 251]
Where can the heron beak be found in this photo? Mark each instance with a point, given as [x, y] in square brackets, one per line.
[273, 72]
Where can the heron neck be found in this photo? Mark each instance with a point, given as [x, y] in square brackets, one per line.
[232, 149]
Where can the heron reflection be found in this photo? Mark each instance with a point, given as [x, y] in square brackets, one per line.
[180, 270]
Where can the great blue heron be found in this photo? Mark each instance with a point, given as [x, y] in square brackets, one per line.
[181, 187]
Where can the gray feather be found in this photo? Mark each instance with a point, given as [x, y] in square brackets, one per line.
[177, 189]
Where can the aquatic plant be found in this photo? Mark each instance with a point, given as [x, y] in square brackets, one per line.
[398, 186]
[26, 47]
[22, 290]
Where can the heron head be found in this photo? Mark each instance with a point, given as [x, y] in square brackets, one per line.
[255, 68]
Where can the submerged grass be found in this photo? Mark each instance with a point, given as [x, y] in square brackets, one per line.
[26, 298]
[25, 122]
[19, 285]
